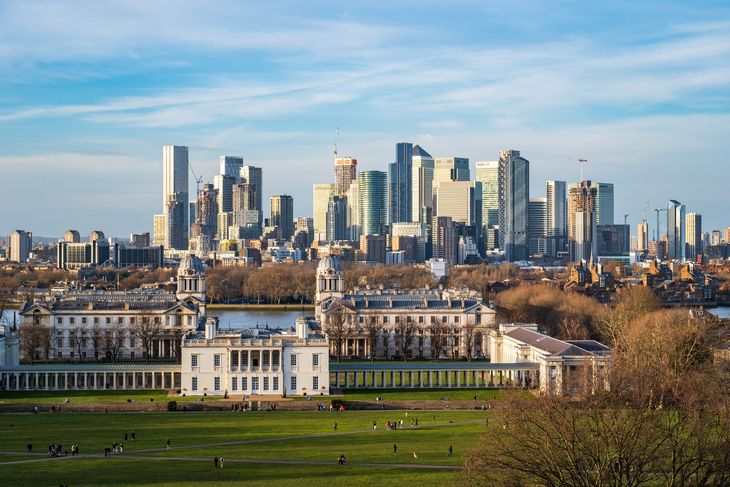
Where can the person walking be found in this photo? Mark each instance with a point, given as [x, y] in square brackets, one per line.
[134, 436]
[220, 462]
[451, 450]
[168, 444]
[395, 449]
[335, 425]
[29, 448]
[126, 437]
[215, 462]
[341, 459]
[375, 425]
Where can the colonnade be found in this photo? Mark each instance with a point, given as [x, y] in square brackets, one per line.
[54, 379]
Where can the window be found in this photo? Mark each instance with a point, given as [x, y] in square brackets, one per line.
[293, 383]
[266, 358]
[194, 385]
[71, 320]
[315, 383]
[361, 319]
[293, 360]
[385, 319]
[275, 358]
[216, 383]
[444, 319]
[108, 320]
[96, 320]
[131, 343]
[83, 320]
[234, 359]
[420, 319]
[456, 319]
[433, 319]
[244, 359]
[217, 360]
[397, 319]
[254, 383]
[59, 321]
[266, 383]
[194, 360]
[157, 320]
[59, 342]
[131, 320]
[234, 384]
[315, 360]
[131, 354]
[244, 383]
[120, 320]
[276, 383]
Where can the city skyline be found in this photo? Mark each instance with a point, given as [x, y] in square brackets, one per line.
[90, 108]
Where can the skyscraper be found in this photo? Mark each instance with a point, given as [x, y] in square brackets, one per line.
[345, 174]
[556, 224]
[321, 193]
[337, 218]
[582, 242]
[445, 240]
[462, 201]
[537, 229]
[175, 196]
[254, 175]
[422, 185]
[72, 236]
[642, 237]
[694, 236]
[230, 166]
[21, 243]
[604, 203]
[400, 180]
[488, 174]
[514, 191]
[282, 214]
[676, 231]
[373, 204]
[448, 169]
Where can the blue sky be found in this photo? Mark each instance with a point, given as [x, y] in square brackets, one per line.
[89, 93]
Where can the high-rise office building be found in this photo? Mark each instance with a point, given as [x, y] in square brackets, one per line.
[353, 212]
[140, 239]
[159, 228]
[96, 235]
[254, 175]
[230, 166]
[224, 185]
[462, 201]
[400, 180]
[422, 185]
[20, 243]
[488, 173]
[282, 214]
[321, 193]
[373, 202]
[726, 236]
[694, 236]
[716, 238]
[642, 237]
[445, 240]
[72, 236]
[175, 196]
[205, 227]
[613, 240]
[582, 243]
[337, 219]
[514, 191]
[676, 231]
[604, 203]
[304, 225]
[537, 227]
[345, 174]
[556, 224]
[448, 169]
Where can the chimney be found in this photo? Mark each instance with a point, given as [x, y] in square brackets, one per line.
[210, 328]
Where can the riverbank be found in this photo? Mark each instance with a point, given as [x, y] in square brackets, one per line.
[260, 307]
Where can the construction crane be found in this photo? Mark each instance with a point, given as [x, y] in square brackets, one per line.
[198, 180]
[337, 139]
[582, 164]
[626, 218]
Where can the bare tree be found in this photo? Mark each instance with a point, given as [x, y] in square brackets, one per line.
[438, 334]
[336, 327]
[405, 330]
[147, 329]
[97, 339]
[77, 342]
[372, 328]
[33, 336]
[113, 341]
[468, 331]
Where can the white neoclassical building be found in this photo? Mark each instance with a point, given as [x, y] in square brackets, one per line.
[9, 340]
[461, 318]
[562, 363]
[91, 324]
[256, 361]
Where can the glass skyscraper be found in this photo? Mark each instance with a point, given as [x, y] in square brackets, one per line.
[373, 195]
[514, 194]
[400, 181]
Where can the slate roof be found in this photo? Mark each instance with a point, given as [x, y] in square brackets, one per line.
[556, 347]
[405, 301]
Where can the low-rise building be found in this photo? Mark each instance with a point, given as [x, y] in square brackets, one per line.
[565, 365]
[256, 361]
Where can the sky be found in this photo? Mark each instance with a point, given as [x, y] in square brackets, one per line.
[90, 91]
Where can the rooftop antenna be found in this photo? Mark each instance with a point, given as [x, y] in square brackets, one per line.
[582, 164]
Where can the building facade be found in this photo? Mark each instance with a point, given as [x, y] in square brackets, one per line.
[21, 243]
[676, 231]
[373, 204]
[399, 180]
[422, 185]
[175, 196]
[514, 195]
[345, 174]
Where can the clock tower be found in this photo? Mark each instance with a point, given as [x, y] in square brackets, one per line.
[330, 283]
[191, 282]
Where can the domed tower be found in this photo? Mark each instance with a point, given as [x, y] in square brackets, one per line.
[330, 282]
[191, 281]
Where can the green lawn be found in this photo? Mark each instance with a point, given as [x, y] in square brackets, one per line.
[197, 438]
[77, 397]
[422, 394]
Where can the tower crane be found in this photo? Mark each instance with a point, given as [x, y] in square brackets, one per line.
[626, 218]
[198, 180]
[658, 210]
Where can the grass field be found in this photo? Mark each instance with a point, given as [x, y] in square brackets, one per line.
[422, 394]
[87, 397]
[260, 448]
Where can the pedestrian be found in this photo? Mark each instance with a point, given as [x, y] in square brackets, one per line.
[401, 424]
[29, 447]
[134, 436]
[126, 437]
[341, 459]
[375, 425]
[220, 462]
[215, 462]
[395, 449]
[168, 444]
[414, 455]
[335, 425]
[451, 450]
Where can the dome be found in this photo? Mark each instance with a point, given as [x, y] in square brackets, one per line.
[190, 265]
[329, 262]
